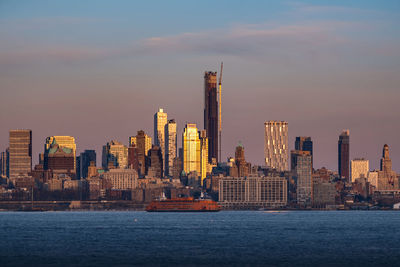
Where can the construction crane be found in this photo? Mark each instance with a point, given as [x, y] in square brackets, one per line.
[220, 111]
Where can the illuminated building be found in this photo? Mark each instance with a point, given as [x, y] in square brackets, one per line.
[115, 154]
[20, 153]
[203, 155]
[170, 147]
[359, 169]
[276, 145]
[191, 149]
[143, 144]
[160, 121]
[63, 141]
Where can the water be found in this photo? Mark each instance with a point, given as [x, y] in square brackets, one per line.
[303, 238]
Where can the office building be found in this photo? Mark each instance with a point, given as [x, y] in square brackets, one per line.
[170, 147]
[344, 155]
[60, 159]
[20, 153]
[155, 162]
[86, 158]
[203, 155]
[239, 168]
[115, 155]
[160, 121]
[133, 162]
[143, 144]
[276, 151]
[63, 141]
[302, 172]
[122, 179]
[252, 192]
[191, 149]
[387, 178]
[359, 169]
[211, 113]
[304, 143]
[4, 163]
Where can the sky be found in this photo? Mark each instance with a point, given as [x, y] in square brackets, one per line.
[99, 70]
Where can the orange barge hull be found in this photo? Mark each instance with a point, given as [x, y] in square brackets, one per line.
[183, 205]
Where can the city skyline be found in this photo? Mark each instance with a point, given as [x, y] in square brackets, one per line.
[343, 67]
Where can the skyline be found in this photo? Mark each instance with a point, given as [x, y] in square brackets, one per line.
[62, 74]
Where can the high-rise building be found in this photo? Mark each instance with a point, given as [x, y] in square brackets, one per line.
[121, 179]
[239, 168]
[211, 113]
[304, 143]
[20, 153]
[160, 121]
[155, 162]
[4, 163]
[115, 154]
[60, 159]
[302, 171]
[344, 154]
[191, 149]
[133, 162]
[143, 144]
[276, 150]
[86, 158]
[170, 147]
[203, 155]
[63, 141]
[359, 169]
[387, 178]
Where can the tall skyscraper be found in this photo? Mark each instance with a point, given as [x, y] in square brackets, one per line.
[170, 147]
[20, 153]
[276, 151]
[160, 120]
[302, 171]
[304, 143]
[63, 141]
[191, 149]
[359, 168]
[115, 154]
[203, 155]
[344, 154]
[211, 113]
[143, 144]
[85, 158]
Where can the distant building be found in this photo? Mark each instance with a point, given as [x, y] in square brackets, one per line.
[359, 169]
[304, 143]
[211, 113]
[155, 162]
[63, 141]
[4, 163]
[387, 178]
[239, 168]
[373, 178]
[133, 162]
[86, 158]
[20, 153]
[344, 155]
[143, 144]
[252, 192]
[302, 171]
[122, 178]
[115, 154]
[160, 121]
[323, 194]
[191, 149]
[276, 145]
[60, 160]
[171, 143]
[203, 155]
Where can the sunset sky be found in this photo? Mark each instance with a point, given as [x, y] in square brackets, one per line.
[99, 70]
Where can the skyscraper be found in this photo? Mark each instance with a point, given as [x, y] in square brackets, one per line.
[170, 147]
[387, 178]
[86, 157]
[60, 159]
[4, 163]
[143, 144]
[276, 145]
[160, 120]
[344, 154]
[302, 171]
[63, 141]
[20, 153]
[155, 162]
[115, 154]
[203, 155]
[304, 143]
[211, 113]
[191, 149]
[359, 168]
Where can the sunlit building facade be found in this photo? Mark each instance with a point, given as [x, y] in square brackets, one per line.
[191, 149]
[203, 155]
[20, 153]
[170, 147]
[276, 151]
[62, 141]
[359, 169]
[160, 121]
[115, 154]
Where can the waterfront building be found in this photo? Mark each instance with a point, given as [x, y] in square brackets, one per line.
[252, 192]
[170, 147]
[63, 141]
[304, 143]
[302, 171]
[143, 144]
[359, 168]
[324, 194]
[115, 154]
[122, 179]
[276, 151]
[160, 121]
[20, 153]
[344, 155]
[211, 113]
[191, 149]
[203, 155]
[86, 158]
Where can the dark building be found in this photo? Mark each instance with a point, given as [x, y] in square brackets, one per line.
[344, 155]
[241, 168]
[304, 143]
[141, 139]
[60, 160]
[211, 113]
[4, 163]
[86, 157]
[133, 162]
[20, 153]
[78, 168]
[155, 162]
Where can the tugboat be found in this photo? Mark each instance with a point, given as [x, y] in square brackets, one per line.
[184, 204]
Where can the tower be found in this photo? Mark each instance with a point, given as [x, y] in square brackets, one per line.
[170, 147]
[276, 145]
[20, 153]
[211, 113]
[304, 143]
[344, 154]
[160, 120]
[191, 149]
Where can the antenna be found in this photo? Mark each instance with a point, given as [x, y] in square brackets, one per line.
[220, 111]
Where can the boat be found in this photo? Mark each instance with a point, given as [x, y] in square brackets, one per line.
[185, 204]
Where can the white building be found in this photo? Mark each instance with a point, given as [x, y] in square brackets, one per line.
[170, 146]
[359, 169]
[160, 120]
[276, 151]
[122, 178]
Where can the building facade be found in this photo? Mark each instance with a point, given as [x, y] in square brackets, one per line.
[4, 163]
[203, 155]
[60, 160]
[86, 158]
[252, 192]
[302, 171]
[20, 153]
[171, 143]
[211, 113]
[143, 144]
[304, 143]
[359, 169]
[115, 154]
[387, 178]
[160, 121]
[191, 149]
[344, 155]
[122, 179]
[63, 141]
[276, 151]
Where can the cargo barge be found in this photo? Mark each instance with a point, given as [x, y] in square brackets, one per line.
[187, 204]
